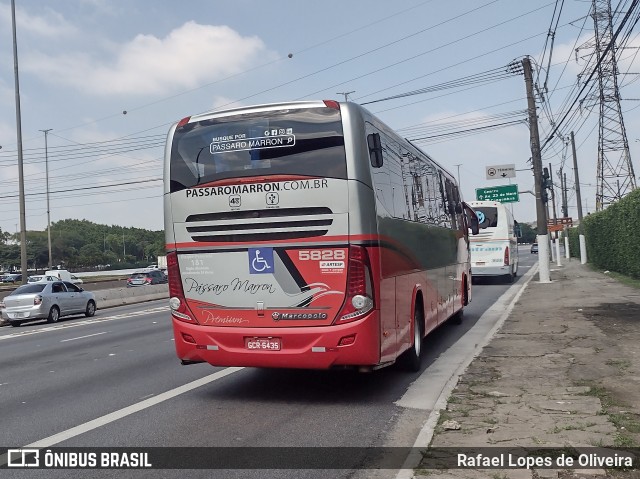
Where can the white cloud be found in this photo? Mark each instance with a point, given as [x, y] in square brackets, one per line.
[49, 24]
[188, 56]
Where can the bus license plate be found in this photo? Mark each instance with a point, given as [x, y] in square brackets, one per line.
[263, 344]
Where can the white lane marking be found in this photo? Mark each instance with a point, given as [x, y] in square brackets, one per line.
[446, 365]
[124, 412]
[82, 337]
[85, 322]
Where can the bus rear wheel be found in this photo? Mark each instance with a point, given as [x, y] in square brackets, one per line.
[411, 359]
[508, 278]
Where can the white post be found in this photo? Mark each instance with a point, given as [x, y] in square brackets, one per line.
[566, 246]
[583, 250]
[558, 255]
[543, 258]
[553, 248]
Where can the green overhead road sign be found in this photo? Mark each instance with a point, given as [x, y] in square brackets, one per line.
[502, 194]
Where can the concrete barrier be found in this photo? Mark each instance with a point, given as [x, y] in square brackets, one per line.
[108, 298]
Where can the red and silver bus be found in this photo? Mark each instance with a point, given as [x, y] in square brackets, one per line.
[309, 235]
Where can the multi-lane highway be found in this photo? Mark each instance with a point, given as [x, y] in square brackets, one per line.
[114, 380]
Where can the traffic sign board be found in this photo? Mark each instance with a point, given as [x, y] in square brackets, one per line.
[560, 221]
[502, 194]
[500, 172]
[553, 228]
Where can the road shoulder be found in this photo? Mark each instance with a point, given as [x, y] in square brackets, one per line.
[563, 371]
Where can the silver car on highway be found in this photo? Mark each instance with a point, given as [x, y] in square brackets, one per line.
[47, 300]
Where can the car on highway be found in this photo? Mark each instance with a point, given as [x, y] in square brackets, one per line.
[534, 248]
[48, 300]
[64, 275]
[12, 278]
[38, 278]
[144, 278]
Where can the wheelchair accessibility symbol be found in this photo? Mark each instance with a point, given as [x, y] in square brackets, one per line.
[260, 260]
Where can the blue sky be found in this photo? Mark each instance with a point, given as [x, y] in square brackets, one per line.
[83, 63]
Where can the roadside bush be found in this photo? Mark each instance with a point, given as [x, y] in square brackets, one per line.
[574, 242]
[613, 236]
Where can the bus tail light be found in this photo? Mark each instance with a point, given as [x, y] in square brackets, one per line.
[506, 256]
[177, 301]
[359, 297]
[332, 104]
[184, 121]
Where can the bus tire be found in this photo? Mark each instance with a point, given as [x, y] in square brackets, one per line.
[412, 358]
[459, 315]
[509, 277]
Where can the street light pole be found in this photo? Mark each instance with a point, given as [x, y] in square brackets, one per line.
[346, 94]
[46, 162]
[23, 222]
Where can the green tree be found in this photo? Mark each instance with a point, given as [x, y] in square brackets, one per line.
[528, 234]
[83, 244]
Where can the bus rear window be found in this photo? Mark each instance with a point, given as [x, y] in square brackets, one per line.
[307, 142]
[487, 216]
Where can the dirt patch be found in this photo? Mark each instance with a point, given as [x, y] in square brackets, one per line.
[618, 390]
[615, 318]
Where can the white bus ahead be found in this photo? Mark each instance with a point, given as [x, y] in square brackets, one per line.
[494, 250]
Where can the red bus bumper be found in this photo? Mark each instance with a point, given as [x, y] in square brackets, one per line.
[301, 347]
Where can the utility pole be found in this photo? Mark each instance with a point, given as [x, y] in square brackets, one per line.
[555, 250]
[23, 221]
[565, 202]
[583, 244]
[346, 94]
[46, 162]
[565, 209]
[536, 159]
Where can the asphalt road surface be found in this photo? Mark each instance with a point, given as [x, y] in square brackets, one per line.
[114, 381]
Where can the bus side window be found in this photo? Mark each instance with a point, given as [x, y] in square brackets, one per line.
[472, 219]
[375, 149]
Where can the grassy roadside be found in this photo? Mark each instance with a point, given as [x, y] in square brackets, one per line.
[620, 415]
[626, 280]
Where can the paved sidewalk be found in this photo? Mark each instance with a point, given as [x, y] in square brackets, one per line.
[563, 371]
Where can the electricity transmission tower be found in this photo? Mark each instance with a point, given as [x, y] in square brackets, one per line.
[615, 176]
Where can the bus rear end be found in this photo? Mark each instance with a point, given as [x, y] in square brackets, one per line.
[494, 251]
[261, 269]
